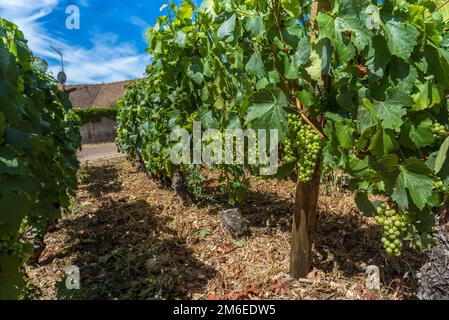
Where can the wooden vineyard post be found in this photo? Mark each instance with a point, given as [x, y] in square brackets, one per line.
[306, 204]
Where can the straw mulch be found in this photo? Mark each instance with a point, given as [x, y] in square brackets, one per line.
[132, 238]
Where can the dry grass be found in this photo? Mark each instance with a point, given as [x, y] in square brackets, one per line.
[134, 239]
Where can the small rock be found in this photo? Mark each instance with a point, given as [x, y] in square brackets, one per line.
[372, 281]
[233, 221]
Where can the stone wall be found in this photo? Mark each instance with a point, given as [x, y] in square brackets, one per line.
[97, 95]
[100, 132]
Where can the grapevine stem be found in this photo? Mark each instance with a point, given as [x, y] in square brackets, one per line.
[276, 18]
[442, 5]
[307, 120]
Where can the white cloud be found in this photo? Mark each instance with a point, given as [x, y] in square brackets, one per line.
[142, 24]
[107, 60]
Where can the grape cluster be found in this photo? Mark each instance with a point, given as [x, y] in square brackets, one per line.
[12, 246]
[394, 228]
[440, 187]
[302, 146]
[439, 131]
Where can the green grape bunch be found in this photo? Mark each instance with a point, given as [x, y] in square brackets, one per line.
[439, 131]
[394, 228]
[440, 187]
[302, 146]
[12, 246]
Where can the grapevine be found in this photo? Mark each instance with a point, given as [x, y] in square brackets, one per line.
[39, 136]
[377, 96]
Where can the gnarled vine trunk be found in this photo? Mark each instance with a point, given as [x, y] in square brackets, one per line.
[306, 206]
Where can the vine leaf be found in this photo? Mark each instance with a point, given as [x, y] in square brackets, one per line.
[364, 205]
[14, 208]
[180, 38]
[426, 97]
[9, 163]
[185, 11]
[292, 7]
[314, 70]
[392, 109]
[382, 142]
[380, 58]
[361, 35]
[300, 58]
[422, 135]
[10, 278]
[426, 221]
[255, 25]
[268, 111]
[337, 30]
[401, 38]
[414, 176]
[255, 66]
[442, 156]
[208, 6]
[344, 134]
[227, 28]
[208, 119]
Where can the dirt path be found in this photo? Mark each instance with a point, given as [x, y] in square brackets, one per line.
[98, 151]
[134, 239]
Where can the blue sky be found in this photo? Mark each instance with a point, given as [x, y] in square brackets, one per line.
[109, 46]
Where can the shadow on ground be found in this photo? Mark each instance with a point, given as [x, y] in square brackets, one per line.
[125, 250]
[100, 180]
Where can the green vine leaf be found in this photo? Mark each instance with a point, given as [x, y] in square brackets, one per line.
[255, 25]
[393, 108]
[255, 66]
[268, 111]
[227, 28]
[415, 177]
[401, 38]
[442, 156]
[292, 7]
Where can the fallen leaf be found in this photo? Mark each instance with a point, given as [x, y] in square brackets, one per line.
[240, 243]
[203, 233]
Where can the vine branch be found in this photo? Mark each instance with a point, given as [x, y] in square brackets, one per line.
[307, 120]
[442, 5]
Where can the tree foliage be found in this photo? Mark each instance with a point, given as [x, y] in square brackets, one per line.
[39, 135]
